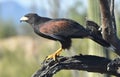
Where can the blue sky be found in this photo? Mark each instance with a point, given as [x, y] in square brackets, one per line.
[39, 3]
[21, 7]
[17, 8]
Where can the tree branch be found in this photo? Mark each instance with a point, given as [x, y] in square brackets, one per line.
[79, 62]
[113, 16]
[108, 25]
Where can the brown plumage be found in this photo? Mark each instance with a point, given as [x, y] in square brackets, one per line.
[61, 30]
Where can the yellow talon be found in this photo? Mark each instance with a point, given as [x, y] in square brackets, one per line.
[54, 55]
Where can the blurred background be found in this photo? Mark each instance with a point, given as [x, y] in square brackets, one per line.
[22, 51]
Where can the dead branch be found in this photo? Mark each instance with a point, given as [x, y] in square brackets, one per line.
[108, 25]
[79, 62]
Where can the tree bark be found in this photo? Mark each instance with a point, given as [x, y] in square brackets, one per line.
[109, 32]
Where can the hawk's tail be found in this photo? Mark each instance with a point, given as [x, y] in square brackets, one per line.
[100, 40]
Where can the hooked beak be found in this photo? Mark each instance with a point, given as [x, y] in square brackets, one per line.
[23, 19]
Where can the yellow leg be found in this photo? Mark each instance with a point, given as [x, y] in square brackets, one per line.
[54, 55]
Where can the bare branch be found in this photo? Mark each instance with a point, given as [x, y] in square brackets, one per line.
[106, 19]
[114, 65]
[80, 62]
[113, 16]
[108, 25]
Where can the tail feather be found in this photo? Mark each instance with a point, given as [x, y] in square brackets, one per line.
[100, 40]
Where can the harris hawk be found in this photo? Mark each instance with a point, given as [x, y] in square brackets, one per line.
[61, 29]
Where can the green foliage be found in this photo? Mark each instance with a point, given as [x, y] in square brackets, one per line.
[13, 64]
[63, 73]
[94, 11]
[77, 13]
[26, 30]
[7, 29]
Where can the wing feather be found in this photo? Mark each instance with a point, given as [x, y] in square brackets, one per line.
[61, 27]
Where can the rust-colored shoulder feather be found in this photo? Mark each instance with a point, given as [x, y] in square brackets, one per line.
[62, 27]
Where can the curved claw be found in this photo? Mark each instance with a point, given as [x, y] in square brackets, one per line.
[54, 55]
